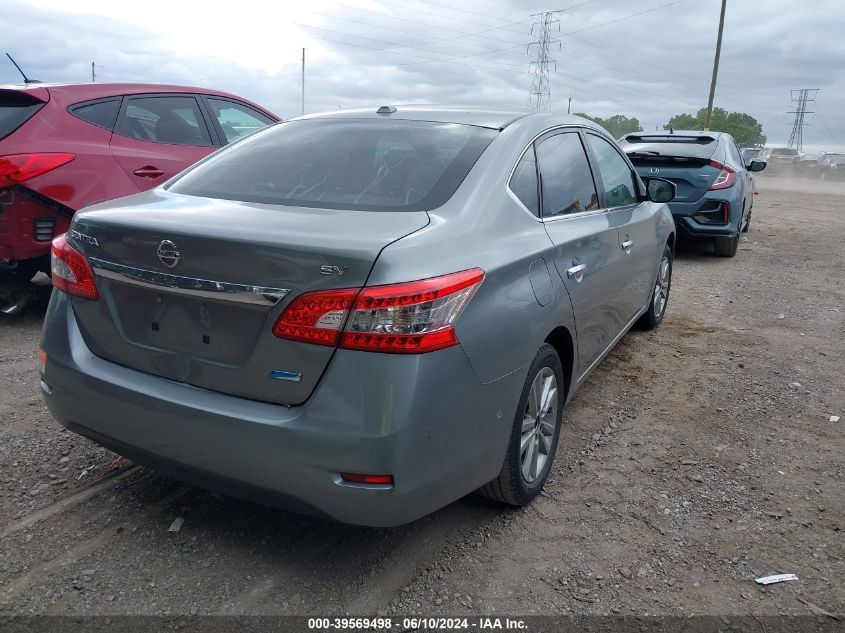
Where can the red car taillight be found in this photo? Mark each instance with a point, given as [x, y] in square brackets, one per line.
[18, 168]
[70, 271]
[725, 179]
[407, 318]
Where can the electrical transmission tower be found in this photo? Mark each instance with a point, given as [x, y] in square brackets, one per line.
[802, 97]
[545, 24]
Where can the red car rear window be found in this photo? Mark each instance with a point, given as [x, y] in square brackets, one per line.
[16, 108]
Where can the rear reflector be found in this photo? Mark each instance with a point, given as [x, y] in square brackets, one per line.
[725, 179]
[18, 168]
[70, 271]
[42, 360]
[355, 478]
[407, 318]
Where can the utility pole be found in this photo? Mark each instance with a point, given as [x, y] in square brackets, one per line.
[569, 106]
[303, 81]
[715, 68]
[802, 97]
[93, 73]
[539, 97]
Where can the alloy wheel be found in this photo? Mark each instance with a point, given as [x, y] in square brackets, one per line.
[539, 423]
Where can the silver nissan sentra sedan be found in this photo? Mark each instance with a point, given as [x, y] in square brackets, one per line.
[362, 315]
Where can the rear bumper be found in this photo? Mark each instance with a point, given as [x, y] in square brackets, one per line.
[28, 222]
[683, 214]
[425, 419]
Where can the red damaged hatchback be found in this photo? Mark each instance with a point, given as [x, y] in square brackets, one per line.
[64, 147]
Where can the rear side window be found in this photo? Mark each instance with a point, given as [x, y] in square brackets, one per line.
[172, 120]
[236, 120]
[16, 108]
[100, 113]
[523, 183]
[618, 181]
[565, 175]
[363, 164]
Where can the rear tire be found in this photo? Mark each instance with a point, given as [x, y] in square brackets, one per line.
[726, 246]
[534, 435]
[659, 298]
[747, 223]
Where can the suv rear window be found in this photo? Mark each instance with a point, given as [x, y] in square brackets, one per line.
[360, 164]
[16, 108]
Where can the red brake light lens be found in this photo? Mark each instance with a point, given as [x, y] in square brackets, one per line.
[18, 168]
[70, 271]
[407, 318]
[316, 317]
[355, 478]
[725, 179]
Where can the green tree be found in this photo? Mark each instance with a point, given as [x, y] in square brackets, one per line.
[618, 125]
[743, 127]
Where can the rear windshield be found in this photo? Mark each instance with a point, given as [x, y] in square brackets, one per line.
[357, 164]
[784, 151]
[16, 108]
[649, 148]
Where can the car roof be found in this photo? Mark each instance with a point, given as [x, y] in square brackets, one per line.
[481, 117]
[74, 92]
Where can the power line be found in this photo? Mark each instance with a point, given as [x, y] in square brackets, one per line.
[802, 96]
[539, 97]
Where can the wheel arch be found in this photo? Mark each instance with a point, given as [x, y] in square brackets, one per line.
[561, 339]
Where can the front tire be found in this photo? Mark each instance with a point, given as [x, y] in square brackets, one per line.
[659, 298]
[534, 435]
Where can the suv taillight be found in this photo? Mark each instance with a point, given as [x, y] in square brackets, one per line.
[17, 168]
[725, 179]
[406, 318]
[70, 272]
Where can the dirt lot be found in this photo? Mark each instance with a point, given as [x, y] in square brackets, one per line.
[696, 458]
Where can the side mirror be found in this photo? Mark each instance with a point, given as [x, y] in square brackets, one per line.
[756, 165]
[660, 189]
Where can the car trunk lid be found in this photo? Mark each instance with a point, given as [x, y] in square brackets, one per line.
[191, 287]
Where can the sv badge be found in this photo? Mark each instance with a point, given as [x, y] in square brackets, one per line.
[333, 270]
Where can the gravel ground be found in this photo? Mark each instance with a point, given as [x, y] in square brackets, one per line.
[697, 457]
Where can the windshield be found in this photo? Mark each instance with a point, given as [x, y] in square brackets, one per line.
[358, 164]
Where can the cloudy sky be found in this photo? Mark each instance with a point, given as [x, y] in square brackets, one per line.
[645, 58]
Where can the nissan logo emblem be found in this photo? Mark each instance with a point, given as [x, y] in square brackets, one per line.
[168, 253]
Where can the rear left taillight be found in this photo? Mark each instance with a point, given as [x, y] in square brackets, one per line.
[406, 318]
[70, 271]
[18, 168]
[725, 179]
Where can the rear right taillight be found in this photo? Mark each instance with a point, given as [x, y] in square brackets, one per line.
[18, 168]
[406, 318]
[725, 179]
[70, 272]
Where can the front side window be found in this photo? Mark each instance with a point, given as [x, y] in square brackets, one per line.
[523, 183]
[236, 120]
[567, 181]
[172, 120]
[620, 188]
[356, 164]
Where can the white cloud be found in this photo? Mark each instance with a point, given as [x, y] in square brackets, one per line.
[364, 52]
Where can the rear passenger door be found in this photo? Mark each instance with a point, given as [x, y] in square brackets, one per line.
[157, 136]
[635, 219]
[585, 241]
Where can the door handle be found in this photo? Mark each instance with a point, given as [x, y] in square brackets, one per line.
[627, 244]
[148, 171]
[576, 272]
